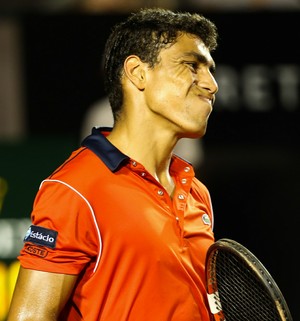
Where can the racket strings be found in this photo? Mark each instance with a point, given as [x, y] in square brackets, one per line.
[244, 296]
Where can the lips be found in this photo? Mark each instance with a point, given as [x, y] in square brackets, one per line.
[209, 99]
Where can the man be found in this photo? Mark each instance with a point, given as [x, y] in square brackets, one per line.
[121, 229]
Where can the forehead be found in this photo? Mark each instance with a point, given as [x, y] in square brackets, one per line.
[187, 45]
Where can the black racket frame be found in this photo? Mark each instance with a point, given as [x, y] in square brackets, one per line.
[260, 271]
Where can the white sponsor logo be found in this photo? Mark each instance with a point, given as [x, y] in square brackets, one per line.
[41, 236]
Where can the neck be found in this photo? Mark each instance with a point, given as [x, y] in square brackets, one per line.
[148, 148]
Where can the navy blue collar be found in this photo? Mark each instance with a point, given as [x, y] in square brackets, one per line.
[107, 152]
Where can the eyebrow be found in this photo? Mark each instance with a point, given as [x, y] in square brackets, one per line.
[201, 59]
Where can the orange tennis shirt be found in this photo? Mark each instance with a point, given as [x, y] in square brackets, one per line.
[139, 254]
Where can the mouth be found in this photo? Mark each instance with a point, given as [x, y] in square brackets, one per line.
[209, 99]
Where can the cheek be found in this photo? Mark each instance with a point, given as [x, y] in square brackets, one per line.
[177, 87]
[172, 93]
[169, 87]
[185, 73]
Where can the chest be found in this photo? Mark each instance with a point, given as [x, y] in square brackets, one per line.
[138, 214]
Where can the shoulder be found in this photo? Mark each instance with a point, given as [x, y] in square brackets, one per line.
[82, 165]
[82, 159]
[200, 189]
[79, 174]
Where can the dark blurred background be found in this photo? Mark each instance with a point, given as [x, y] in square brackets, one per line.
[50, 78]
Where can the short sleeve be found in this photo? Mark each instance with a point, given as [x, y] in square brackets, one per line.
[61, 209]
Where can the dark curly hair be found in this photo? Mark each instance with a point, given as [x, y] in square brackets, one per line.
[144, 34]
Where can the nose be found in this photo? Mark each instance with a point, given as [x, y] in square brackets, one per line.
[214, 85]
[211, 83]
[206, 80]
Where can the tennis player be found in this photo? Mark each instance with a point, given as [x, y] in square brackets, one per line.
[121, 229]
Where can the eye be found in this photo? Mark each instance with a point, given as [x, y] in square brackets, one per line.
[193, 65]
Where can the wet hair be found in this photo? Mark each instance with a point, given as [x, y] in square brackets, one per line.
[144, 34]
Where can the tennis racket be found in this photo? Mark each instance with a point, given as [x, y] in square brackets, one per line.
[239, 287]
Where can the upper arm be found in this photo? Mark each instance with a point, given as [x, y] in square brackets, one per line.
[40, 295]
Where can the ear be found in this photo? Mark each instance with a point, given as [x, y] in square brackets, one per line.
[135, 71]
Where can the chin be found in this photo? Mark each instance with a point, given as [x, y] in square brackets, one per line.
[194, 131]
[196, 134]
[200, 131]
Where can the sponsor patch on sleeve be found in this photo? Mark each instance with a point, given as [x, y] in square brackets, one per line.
[36, 250]
[41, 236]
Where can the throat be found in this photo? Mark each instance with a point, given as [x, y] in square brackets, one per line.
[169, 185]
[171, 189]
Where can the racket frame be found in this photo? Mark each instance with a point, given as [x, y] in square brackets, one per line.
[256, 267]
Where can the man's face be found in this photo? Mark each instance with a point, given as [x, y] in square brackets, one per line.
[181, 89]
